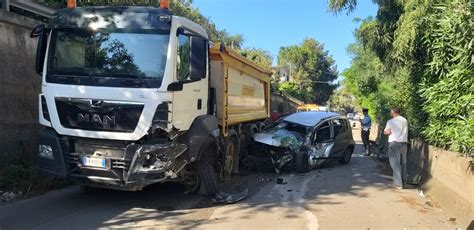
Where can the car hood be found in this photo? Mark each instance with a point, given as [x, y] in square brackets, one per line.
[280, 138]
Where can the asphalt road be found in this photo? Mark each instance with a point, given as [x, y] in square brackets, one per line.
[355, 196]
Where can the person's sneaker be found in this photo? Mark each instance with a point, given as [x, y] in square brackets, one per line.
[366, 153]
[396, 186]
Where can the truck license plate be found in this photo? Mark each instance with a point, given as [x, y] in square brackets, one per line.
[94, 162]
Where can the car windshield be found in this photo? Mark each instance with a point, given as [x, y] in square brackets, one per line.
[292, 127]
[116, 54]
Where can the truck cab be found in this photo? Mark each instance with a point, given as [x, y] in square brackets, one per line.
[126, 99]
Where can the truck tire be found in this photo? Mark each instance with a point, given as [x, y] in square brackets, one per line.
[248, 131]
[206, 177]
[260, 126]
[302, 163]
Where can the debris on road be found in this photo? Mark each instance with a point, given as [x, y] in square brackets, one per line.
[230, 198]
[429, 204]
[8, 196]
[281, 181]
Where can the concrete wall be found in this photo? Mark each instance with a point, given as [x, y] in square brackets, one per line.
[445, 176]
[19, 88]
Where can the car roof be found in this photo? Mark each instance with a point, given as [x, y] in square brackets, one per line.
[309, 118]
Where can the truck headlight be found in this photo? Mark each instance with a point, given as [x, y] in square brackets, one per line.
[46, 151]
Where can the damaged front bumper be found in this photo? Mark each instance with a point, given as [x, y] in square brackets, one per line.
[283, 146]
[111, 164]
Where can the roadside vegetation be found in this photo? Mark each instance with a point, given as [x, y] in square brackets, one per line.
[416, 55]
[22, 179]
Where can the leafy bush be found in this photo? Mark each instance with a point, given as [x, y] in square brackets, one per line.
[418, 55]
[448, 88]
[22, 177]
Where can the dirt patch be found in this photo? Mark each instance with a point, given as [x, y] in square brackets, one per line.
[428, 206]
[409, 200]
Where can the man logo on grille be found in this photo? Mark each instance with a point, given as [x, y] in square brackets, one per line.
[96, 119]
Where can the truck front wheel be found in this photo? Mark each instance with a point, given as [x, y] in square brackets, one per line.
[206, 174]
[206, 177]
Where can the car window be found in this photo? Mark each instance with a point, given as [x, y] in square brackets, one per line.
[323, 133]
[339, 127]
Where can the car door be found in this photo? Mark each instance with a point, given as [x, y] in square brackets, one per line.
[340, 136]
[323, 138]
[348, 139]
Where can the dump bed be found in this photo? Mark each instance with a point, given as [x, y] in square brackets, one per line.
[242, 88]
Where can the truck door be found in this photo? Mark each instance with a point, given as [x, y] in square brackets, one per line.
[191, 72]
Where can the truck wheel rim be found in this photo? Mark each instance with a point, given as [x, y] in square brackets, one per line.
[229, 160]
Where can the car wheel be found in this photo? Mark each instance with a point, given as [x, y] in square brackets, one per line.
[347, 156]
[302, 162]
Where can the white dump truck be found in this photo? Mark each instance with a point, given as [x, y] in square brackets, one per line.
[133, 96]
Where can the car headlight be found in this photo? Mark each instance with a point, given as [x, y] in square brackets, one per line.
[46, 151]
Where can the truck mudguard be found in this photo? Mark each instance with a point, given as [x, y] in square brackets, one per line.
[201, 128]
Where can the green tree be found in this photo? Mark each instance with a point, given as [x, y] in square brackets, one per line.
[310, 65]
[258, 56]
[417, 55]
[342, 101]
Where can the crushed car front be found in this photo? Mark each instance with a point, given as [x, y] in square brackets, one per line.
[293, 141]
[283, 140]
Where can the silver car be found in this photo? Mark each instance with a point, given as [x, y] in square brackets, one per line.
[308, 140]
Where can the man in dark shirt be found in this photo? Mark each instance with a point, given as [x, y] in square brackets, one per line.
[365, 124]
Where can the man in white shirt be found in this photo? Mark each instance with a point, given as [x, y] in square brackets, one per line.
[397, 132]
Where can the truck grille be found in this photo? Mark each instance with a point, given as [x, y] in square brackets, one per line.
[98, 115]
[114, 163]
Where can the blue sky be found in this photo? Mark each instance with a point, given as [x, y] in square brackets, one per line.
[271, 24]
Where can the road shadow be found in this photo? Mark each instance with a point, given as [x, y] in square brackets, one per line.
[346, 180]
[165, 205]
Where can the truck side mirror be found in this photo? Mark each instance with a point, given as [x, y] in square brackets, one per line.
[175, 86]
[198, 57]
[41, 33]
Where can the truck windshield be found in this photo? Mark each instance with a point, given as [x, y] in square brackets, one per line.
[107, 58]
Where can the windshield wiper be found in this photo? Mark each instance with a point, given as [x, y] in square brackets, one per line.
[74, 77]
[135, 77]
[75, 72]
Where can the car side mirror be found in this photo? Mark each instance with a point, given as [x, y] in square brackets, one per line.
[41, 33]
[198, 58]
